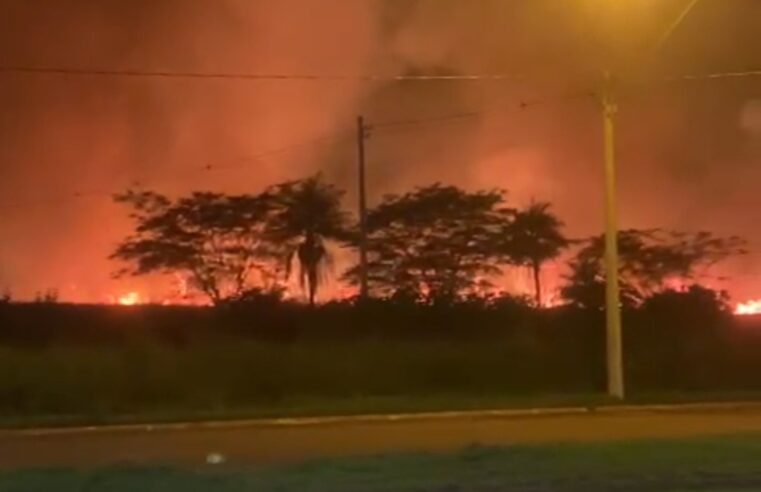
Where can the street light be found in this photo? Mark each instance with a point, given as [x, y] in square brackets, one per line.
[614, 344]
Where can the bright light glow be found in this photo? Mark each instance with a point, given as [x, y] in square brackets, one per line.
[130, 299]
[749, 308]
[553, 300]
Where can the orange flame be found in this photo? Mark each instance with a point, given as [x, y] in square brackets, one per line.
[130, 299]
[749, 308]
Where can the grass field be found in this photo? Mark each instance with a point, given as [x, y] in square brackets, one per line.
[715, 464]
[59, 386]
[72, 365]
[256, 379]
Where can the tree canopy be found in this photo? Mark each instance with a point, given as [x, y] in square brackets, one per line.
[217, 241]
[648, 261]
[534, 237]
[306, 214]
[435, 242]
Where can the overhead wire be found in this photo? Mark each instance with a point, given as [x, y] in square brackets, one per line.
[113, 72]
[185, 173]
[335, 137]
[520, 105]
[413, 122]
[713, 76]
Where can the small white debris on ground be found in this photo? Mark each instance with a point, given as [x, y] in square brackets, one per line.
[215, 459]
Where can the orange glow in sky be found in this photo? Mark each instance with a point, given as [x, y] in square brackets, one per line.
[749, 308]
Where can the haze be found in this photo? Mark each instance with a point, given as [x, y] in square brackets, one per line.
[690, 152]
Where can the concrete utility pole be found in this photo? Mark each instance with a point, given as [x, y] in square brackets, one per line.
[362, 134]
[614, 343]
[612, 295]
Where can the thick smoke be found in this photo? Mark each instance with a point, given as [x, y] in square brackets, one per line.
[689, 152]
[686, 151]
[60, 135]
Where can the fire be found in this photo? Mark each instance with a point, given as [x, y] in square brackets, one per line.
[130, 299]
[749, 308]
[553, 300]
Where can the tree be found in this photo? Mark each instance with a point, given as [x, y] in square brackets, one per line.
[585, 286]
[49, 296]
[696, 301]
[648, 261]
[216, 241]
[534, 237]
[437, 242]
[306, 215]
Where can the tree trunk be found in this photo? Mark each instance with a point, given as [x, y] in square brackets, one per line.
[312, 277]
[536, 267]
[311, 294]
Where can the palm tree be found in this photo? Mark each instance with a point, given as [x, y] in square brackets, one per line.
[535, 237]
[307, 214]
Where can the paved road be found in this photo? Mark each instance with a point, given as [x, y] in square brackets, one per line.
[271, 442]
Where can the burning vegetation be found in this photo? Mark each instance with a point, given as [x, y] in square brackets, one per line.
[433, 244]
[749, 308]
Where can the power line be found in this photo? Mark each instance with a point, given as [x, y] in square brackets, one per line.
[651, 81]
[714, 76]
[245, 161]
[519, 106]
[339, 136]
[113, 72]
[184, 173]
[109, 72]
[630, 89]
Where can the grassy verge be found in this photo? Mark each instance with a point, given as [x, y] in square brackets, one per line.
[63, 386]
[365, 405]
[316, 407]
[715, 464]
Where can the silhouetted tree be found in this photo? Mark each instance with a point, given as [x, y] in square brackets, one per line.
[696, 301]
[217, 241]
[532, 238]
[49, 296]
[306, 215]
[585, 286]
[437, 242]
[270, 297]
[648, 260]
[6, 297]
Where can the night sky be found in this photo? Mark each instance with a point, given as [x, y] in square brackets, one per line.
[690, 152]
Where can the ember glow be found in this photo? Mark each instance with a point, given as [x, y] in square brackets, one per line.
[749, 308]
[130, 299]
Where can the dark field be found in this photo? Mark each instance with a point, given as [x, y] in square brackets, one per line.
[78, 364]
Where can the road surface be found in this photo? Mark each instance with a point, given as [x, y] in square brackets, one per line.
[288, 441]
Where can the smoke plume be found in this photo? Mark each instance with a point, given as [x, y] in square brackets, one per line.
[688, 151]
